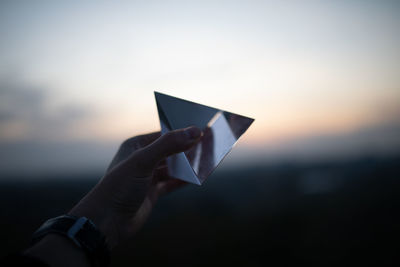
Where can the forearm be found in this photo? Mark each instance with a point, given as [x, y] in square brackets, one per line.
[57, 250]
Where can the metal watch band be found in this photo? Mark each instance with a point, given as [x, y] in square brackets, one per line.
[82, 232]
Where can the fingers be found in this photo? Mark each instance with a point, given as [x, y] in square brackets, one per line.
[130, 145]
[170, 143]
[147, 139]
[164, 183]
[139, 141]
[170, 185]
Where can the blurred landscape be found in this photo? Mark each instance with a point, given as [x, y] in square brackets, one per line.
[319, 214]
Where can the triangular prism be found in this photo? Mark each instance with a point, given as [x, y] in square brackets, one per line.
[221, 131]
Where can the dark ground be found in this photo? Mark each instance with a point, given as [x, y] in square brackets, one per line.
[325, 214]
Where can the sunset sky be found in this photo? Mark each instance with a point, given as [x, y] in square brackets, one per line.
[84, 72]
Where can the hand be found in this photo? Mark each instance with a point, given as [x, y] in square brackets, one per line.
[121, 202]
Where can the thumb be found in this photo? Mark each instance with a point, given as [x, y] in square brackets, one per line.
[168, 144]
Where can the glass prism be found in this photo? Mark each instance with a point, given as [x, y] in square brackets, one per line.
[221, 131]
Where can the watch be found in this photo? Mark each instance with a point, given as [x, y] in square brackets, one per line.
[82, 232]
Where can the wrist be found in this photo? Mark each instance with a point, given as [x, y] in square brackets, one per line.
[96, 209]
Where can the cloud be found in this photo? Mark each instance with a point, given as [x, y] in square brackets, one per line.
[27, 112]
[378, 140]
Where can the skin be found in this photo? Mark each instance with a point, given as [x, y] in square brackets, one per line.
[122, 200]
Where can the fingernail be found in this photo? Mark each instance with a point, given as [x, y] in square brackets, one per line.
[193, 133]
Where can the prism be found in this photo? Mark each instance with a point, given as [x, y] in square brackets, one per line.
[221, 130]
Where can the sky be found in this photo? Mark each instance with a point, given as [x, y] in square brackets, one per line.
[77, 77]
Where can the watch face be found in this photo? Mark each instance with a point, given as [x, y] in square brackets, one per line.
[221, 131]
